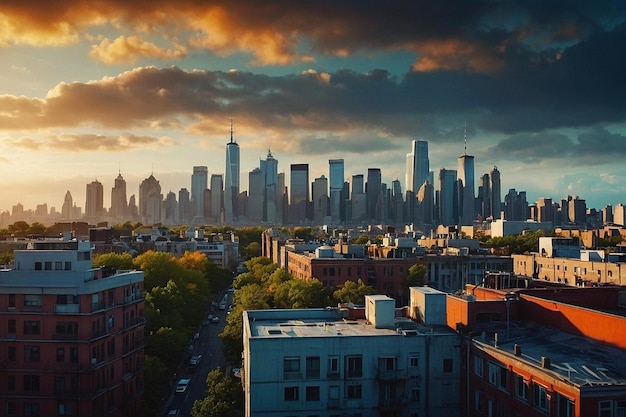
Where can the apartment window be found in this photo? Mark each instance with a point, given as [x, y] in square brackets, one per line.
[10, 408]
[66, 329]
[31, 353]
[68, 266]
[478, 366]
[354, 391]
[58, 265]
[498, 375]
[291, 366]
[11, 326]
[605, 409]
[65, 409]
[111, 321]
[67, 299]
[565, 406]
[313, 393]
[447, 365]
[414, 360]
[415, 395]
[31, 382]
[31, 409]
[73, 354]
[38, 266]
[540, 397]
[11, 382]
[479, 400]
[32, 327]
[386, 364]
[312, 366]
[333, 366]
[32, 300]
[291, 393]
[60, 354]
[11, 353]
[48, 265]
[521, 388]
[59, 383]
[354, 366]
[11, 300]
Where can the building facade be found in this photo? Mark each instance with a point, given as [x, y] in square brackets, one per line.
[73, 336]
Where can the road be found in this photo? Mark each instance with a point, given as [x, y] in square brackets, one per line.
[209, 345]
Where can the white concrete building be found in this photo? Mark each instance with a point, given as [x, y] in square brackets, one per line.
[326, 362]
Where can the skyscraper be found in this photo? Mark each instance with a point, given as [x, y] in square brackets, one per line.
[336, 177]
[358, 199]
[231, 180]
[67, 210]
[199, 183]
[320, 199]
[448, 203]
[299, 190]
[217, 197]
[496, 193]
[150, 199]
[184, 206]
[256, 196]
[467, 211]
[119, 202]
[417, 165]
[94, 202]
[269, 171]
[372, 190]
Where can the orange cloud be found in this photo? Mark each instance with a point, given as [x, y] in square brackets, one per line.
[91, 143]
[127, 50]
[456, 55]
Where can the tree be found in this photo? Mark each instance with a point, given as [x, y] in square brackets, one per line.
[251, 250]
[19, 228]
[224, 398]
[37, 228]
[117, 260]
[353, 292]
[417, 276]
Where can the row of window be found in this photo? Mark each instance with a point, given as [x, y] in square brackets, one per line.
[58, 266]
[33, 327]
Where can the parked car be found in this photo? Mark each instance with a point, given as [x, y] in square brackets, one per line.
[173, 413]
[195, 360]
[182, 385]
[215, 319]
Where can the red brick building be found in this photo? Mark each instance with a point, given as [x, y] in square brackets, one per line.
[71, 336]
[552, 351]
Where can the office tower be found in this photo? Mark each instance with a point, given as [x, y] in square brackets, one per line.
[65, 323]
[335, 182]
[217, 197]
[94, 202]
[171, 209]
[150, 198]
[41, 210]
[320, 200]
[448, 202]
[184, 207]
[425, 203]
[483, 200]
[133, 210]
[231, 180]
[256, 196]
[67, 210]
[269, 171]
[545, 210]
[372, 190]
[515, 206]
[199, 183]
[299, 189]
[577, 210]
[397, 202]
[495, 193]
[119, 204]
[619, 215]
[607, 214]
[358, 199]
[465, 172]
[417, 165]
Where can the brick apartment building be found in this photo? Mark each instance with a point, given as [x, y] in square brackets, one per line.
[71, 336]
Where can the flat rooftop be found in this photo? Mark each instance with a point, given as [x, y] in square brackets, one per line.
[321, 322]
[581, 360]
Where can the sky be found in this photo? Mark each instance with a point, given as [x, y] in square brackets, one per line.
[90, 89]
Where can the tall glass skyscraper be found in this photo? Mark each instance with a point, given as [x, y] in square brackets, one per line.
[467, 210]
[299, 193]
[217, 197]
[231, 180]
[372, 190]
[417, 166]
[119, 201]
[269, 170]
[336, 180]
[447, 204]
[199, 183]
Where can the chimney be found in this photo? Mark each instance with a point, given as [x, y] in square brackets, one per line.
[545, 362]
[517, 350]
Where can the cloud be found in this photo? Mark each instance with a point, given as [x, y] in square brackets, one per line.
[91, 143]
[127, 50]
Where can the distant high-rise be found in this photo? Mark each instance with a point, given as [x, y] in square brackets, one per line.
[199, 183]
[465, 171]
[171, 209]
[515, 206]
[496, 193]
[358, 199]
[231, 180]
[320, 199]
[425, 203]
[545, 210]
[217, 197]
[94, 202]
[448, 202]
[299, 193]
[67, 210]
[184, 206]
[119, 202]
[336, 179]
[269, 171]
[150, 199]
[256, 196]
[372, 190]
[607, 214]
[417, 165]
[619, 214]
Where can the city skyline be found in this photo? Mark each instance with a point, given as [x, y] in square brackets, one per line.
[90, 90]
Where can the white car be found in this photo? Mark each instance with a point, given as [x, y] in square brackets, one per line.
[182, 385]
[195, 360]
[215, 319]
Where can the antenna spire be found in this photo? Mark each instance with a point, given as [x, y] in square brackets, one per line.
[231, 129]
[465, 139]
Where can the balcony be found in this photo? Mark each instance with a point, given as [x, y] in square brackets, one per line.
[391, 375]
[291, 376]
[67, 308]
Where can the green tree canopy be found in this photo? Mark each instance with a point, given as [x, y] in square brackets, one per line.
[353, 292]
[224, 397]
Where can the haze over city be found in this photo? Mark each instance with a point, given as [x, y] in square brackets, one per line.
[88, 90]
